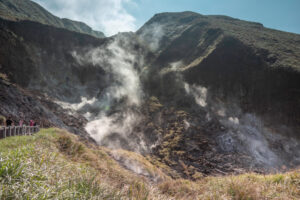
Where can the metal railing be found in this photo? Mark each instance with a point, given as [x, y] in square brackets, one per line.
[10, 131]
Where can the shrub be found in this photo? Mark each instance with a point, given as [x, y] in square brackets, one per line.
[2, 120]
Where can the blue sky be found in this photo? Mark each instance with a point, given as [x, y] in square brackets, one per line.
[112, 16]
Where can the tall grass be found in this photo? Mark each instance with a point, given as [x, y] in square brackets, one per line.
[33, 168]
[54, 164]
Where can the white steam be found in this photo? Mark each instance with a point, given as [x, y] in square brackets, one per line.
[137, 166]
[118, 62]
[251, 132]
[198, 92]
[187, 125]
[246, 133]
[130, 164]
[234, 120]
[118, 103]
[120, 123]
[152, 35]
[77, 106]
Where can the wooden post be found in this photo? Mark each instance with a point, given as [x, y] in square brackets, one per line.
[2, 132]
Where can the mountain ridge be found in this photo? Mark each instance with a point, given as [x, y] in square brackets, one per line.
[252, 34]
[28, 10]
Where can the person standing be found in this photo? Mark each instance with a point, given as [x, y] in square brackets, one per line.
[21, 122]
[9, 121]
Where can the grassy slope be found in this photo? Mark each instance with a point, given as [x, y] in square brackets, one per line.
[54, 164]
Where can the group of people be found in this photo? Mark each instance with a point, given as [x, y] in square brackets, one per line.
[10, 122]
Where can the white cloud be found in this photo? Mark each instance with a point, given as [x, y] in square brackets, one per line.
[109, 16]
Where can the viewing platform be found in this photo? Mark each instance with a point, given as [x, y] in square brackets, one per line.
[10, 131]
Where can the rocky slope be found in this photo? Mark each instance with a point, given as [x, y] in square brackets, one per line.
[240, 61]
[22, 104]
[27, 10]
[238, 84]
[27, 88]
[200, 94]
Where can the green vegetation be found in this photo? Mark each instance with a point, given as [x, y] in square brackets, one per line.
[54, 164]
[154, 104]
[2, 120]
[4, 77]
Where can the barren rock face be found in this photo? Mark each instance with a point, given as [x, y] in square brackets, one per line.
[207, 94]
